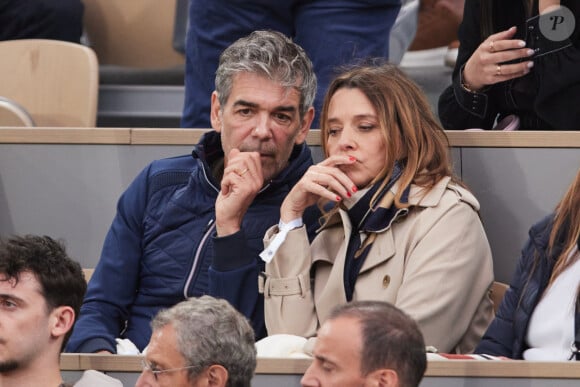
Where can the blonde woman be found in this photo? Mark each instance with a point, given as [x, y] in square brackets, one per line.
[398, 227]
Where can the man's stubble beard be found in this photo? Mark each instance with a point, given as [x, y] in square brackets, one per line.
[8, 366]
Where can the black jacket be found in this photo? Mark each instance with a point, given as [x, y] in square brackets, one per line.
[546, 99]
[506, 336]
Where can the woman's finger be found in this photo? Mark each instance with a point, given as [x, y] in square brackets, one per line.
[334, 178]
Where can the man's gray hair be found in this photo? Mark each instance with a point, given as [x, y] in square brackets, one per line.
[210, 331]
[272, 55]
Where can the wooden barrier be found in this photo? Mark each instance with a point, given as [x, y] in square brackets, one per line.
[178, 136]
[287, 372]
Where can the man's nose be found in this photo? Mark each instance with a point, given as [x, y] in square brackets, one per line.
[308, 380]
[143, 380]
[262, 129]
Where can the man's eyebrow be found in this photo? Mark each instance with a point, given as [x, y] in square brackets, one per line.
[289, 109]
[324, 359]
[4, 296]
[283, 108]
[241, 102]
[155, 364]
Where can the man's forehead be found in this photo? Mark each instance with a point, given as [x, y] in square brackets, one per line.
[24, 281]
[341, 324]
[163, 349]
[339, 342]
[25, 277]
[251, 87]
[335, 333]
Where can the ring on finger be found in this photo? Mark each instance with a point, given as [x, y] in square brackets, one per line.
[498, 70]
[241, 173]
[491, 48]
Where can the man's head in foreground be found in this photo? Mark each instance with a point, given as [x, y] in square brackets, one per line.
[199, 342]
[41, 292]
[367, 343]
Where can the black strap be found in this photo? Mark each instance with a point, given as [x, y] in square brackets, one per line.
[575, 347]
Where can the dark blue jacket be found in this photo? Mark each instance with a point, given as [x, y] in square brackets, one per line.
[506, 336]
[161, 248]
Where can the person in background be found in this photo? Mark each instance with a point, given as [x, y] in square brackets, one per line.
[194, 224]
[41, 19]
[515, 60]
[539, 318]
[403, 31]
[367, 343]
[199, 342]
[399, 226]
[438, 23]
[332, 32]
[41, 291]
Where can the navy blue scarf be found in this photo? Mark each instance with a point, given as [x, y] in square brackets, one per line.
[367, 220]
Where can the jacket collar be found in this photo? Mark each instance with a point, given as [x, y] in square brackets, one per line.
[415, 196]
[385, 245]
[209, 151]
[365, 218]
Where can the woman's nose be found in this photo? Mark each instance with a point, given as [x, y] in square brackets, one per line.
[346, 140]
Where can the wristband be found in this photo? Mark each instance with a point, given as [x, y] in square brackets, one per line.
[467, 87]
[283, 230]
[464, 85]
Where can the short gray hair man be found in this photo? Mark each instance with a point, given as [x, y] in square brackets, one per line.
[207, 332]
[272, 55]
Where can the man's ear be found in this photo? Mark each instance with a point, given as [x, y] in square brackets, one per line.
[214, 115]
[217, 376]
[384, 377]
[61, 321]
[305, 126]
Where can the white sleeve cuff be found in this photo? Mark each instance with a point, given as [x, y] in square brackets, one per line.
[283, 229]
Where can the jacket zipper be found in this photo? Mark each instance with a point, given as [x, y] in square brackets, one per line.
[208, 230]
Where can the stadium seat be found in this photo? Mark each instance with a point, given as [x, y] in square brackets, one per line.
[56, 82]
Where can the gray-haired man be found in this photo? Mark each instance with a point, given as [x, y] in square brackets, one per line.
[194, 224]
[199, 342]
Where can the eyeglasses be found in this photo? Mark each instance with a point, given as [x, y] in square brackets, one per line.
[155, 371]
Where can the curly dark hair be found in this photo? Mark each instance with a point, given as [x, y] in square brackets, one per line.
[61, 279]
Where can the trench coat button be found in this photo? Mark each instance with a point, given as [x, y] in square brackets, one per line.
[386, 281]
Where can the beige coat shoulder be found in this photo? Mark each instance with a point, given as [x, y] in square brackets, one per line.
[434, 262]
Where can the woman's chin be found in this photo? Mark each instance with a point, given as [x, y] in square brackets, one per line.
[362, 184]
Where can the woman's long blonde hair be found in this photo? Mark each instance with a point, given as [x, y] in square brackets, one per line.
[566, 228]
[563, 238]
[410, 129]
